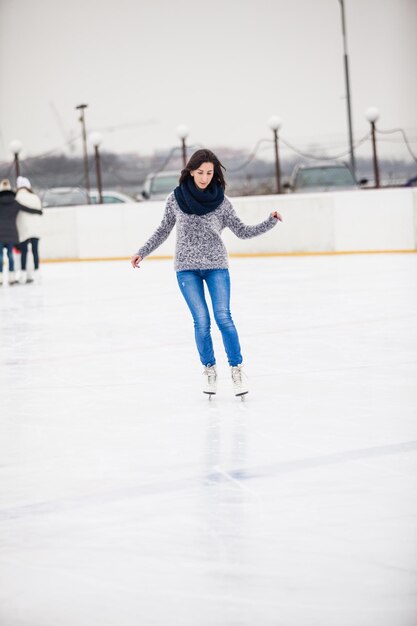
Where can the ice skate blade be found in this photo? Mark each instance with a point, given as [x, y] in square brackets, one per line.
[241, 395]
[210, 394]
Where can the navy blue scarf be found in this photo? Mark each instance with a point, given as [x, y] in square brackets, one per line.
[195, 201]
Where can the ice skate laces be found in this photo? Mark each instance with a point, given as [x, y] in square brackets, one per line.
[210, 379]
[237, 376]
[239, 384]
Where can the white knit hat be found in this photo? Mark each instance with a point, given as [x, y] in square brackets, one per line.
[23, 182]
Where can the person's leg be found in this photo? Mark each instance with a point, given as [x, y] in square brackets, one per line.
[34, 242]
[218, 282]
[1, 262]
[23, 247]
[192, 288]
[24, 254]
[12, 278]
[9, 247]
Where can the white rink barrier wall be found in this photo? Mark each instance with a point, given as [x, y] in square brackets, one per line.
[336, 222]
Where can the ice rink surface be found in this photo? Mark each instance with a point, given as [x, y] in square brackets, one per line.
[129, 499]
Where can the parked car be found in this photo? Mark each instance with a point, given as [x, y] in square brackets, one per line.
[159, 185]
[73, 196]
[64, 196]
[313, 178]
[110, 196]
[411, 182]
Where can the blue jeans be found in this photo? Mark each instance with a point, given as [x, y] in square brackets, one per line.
[9, 248]
[191, 283]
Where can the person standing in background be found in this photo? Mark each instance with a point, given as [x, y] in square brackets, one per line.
[28, 227]
[9, 210]
[7, 239]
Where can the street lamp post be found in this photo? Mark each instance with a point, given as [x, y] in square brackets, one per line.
[349, 110]
[16, 147]
[183, 132]
[96, 140]
[81, 108]
[372, 115]
[275, 124]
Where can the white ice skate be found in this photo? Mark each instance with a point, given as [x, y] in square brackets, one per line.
[30, 276]
[240, 386]
[22, 277]
[210, 380]
[12, 278]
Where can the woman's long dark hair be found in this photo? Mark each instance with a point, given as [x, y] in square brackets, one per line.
[200, 157]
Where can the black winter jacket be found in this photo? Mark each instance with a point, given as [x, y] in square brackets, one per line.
[9, 208]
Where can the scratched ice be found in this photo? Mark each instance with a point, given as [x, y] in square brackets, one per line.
[128, 499]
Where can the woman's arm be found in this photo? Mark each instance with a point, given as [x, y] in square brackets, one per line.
[26, 209]
[158, 237]
[244, 231]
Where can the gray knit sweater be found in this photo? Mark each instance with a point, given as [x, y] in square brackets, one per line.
[199, 245]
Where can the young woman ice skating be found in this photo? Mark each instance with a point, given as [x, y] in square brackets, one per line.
[200, 209]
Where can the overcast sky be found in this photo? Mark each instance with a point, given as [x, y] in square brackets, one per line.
[221, 67]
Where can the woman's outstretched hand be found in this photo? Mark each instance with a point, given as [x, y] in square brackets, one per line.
[277, 216]
[135, 260]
